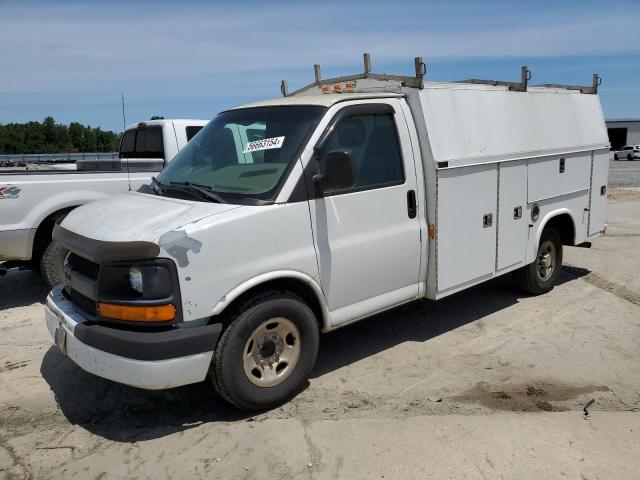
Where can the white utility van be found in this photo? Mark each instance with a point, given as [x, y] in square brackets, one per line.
[361, 193]
[34, 195]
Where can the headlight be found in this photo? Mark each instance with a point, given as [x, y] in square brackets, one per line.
[135, 279]
[144, 291]
[143, 280]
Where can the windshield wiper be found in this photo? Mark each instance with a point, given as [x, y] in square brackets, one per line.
[185, 187]
[201, 189]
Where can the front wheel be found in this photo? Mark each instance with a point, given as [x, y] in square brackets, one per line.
[629, 157]
[267, 352]
[539, 277]
[615, 157]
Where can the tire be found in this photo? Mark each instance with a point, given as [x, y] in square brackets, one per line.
[615, 157]
[629, 157]
[531, 278]
[52, 263]
[271, 327]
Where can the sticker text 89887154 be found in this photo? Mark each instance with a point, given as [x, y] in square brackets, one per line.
[264, 144]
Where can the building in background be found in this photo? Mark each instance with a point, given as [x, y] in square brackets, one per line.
[623, 131]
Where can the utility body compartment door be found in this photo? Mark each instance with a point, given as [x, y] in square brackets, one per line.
[551, 177]
[512, 221]
[466, 225]
[598, 194]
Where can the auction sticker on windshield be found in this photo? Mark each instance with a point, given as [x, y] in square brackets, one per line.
[264, 144]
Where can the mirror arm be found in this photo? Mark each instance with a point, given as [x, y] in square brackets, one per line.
[318, 180]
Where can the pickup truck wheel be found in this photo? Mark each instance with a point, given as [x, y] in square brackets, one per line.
[52, 263]
[539, 277]
[267, 352]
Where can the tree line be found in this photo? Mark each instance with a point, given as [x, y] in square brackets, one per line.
[51, 137]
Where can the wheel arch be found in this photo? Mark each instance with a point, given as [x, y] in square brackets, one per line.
[563, 222]
[44, 229]
[290, 281]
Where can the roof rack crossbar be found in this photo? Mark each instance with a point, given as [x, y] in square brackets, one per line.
[590, 89]
[416, 82]
[521, 86]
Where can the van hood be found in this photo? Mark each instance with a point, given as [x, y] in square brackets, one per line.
[122, 221]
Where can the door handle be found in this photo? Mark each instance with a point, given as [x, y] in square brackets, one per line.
[412, 207]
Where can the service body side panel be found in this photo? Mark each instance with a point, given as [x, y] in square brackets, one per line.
[551, 130]
[466, 247]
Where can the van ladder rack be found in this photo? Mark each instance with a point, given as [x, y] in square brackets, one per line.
[415, 82]
[520, 86]
[526, 76]
[592, 89]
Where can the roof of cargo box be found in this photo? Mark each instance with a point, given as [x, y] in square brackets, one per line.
[473, 124]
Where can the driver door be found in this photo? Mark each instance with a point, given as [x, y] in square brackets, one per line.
[368, 236]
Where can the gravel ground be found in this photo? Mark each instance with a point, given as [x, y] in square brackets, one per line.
[488, 383]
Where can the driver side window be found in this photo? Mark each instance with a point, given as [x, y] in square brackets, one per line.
[372, 141]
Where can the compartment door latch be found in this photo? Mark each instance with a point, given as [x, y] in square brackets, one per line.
[517, 213]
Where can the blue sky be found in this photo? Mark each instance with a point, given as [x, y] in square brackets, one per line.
[72, 59]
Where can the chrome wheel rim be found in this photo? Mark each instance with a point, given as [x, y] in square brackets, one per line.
[546, 260]
[271, 352]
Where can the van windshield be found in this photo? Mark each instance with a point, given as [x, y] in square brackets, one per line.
[243, 153]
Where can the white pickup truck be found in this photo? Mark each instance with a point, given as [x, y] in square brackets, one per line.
[290, 217]
[34, 197]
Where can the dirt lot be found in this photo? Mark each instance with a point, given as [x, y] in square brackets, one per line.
[485, 384]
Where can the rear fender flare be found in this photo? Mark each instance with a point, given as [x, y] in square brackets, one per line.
[545, 220]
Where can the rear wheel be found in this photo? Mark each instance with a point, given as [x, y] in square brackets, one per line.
[629, 157]
[267, 352]
[52, 263]
[539, 277]
[615, 157]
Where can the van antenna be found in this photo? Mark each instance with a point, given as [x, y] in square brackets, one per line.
[124, 128]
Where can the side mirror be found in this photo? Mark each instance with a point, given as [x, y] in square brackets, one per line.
[339, 172]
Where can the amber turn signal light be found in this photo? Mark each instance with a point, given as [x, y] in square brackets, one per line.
[156, 313]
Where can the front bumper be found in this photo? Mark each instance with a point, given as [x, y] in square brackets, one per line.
[151, 360]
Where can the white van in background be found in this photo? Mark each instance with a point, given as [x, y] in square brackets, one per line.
[362, 193]
[34, 196]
